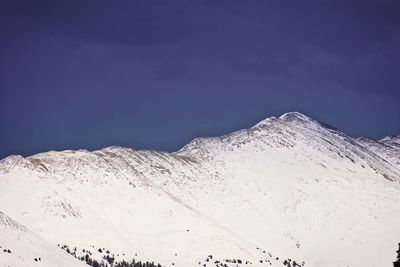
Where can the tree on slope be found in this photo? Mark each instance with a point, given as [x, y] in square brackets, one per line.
[397, 262]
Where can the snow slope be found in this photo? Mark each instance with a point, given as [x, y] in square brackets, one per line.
[20, 247]
[288, 187]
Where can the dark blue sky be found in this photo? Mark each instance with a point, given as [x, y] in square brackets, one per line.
[155, 74]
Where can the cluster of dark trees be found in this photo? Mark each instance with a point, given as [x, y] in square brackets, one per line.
[239, 262]
[291, 263]
[397, 262]
[108, 263]
[136, 264]
[108, 259]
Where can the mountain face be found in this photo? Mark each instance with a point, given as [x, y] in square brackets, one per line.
[289, 191]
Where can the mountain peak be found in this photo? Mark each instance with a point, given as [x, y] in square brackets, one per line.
[294, 115]
[288, 117]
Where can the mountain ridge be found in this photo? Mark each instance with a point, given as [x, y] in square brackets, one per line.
[288, 115]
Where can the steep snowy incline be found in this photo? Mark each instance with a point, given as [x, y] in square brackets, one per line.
[20, 247]
[288, 187]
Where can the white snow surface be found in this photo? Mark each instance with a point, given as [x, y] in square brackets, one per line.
[25, 246]
[288, 187]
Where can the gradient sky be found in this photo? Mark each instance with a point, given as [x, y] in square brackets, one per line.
[156, 74]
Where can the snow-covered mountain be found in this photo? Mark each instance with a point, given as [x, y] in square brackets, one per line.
[287, 188]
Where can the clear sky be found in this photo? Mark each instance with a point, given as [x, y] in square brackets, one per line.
[155, 74]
